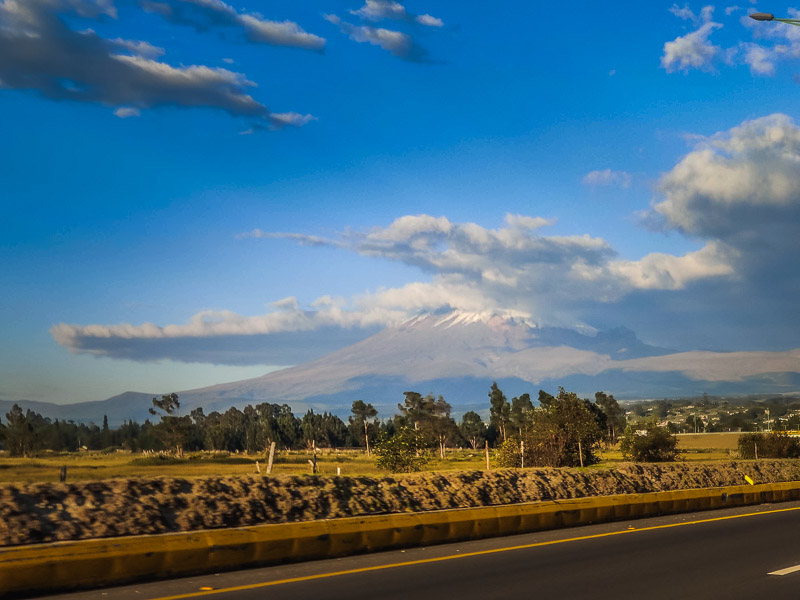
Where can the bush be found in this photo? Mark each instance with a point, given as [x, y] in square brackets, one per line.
[508, 455]
[768, 445]
[649, 442]
[404, 452]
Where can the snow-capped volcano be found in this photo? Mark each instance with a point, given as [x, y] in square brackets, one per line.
[459, 354]
[435, 347]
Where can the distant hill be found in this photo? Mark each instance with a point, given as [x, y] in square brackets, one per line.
[458, 355]
[123, 407]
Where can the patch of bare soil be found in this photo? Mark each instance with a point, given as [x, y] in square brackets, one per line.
[48, 512]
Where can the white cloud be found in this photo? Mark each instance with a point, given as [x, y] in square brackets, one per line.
[607, 177]
[379, 10]
[429, 21]
[139, 48]
[294, 119]
[717, 366]
[775, 43]
[668, 272]
[736, 182]
[206, 14]
[763, 57]
[125, 112]
[691, 51]
[396, 43]
[684, 13]
[514, 267]
[39, 51]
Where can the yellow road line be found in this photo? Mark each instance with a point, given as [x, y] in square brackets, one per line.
[253, 586]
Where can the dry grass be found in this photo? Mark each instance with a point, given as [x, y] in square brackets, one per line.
[708, 441]
[89, 466]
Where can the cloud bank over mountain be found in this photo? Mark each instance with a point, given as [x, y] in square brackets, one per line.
[736, 193]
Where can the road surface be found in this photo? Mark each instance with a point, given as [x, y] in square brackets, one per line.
[749, 552]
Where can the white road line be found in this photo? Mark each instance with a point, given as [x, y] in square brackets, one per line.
[786, 571]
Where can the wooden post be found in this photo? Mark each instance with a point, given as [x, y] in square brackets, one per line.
[271, 457]
[580, 452]
[62, 475]
[258, 467]
[313, 463]
[488, 468]
[338, 471]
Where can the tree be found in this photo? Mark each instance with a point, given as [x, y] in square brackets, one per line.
[473, 429]
[20, 439]
[173, 428]
[404, 452]
[362, 414]
[430, 416]
[521, 412]
[615, 416]
[564, 432]
[648, 442]
[545, 399]
[325, 430]
[768, 445]
[500, 409]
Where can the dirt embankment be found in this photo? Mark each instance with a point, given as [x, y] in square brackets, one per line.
[38, 513]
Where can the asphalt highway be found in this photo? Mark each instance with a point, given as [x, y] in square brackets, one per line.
[749, 552]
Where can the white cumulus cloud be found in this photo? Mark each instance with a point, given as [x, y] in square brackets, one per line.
[607, 177]
[691, 51]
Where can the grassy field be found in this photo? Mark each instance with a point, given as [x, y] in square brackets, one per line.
[85, 466]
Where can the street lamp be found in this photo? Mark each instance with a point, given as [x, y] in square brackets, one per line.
[770, 17]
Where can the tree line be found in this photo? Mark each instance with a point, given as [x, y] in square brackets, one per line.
[253, 428]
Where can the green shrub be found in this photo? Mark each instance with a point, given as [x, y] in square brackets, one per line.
[768, 445]
[508, 455]
[648, 442]
[404, 452]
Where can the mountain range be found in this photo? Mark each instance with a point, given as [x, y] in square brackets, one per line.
[458, 355]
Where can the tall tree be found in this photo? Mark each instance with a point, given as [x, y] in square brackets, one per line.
[563, 432]
[615, 415]
[363, 416]
[173, 428]
[430, 416]
[473, 429]
[500, 410]
[521, 413]
[20, 438]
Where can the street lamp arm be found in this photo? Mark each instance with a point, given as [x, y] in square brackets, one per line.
[770, 17]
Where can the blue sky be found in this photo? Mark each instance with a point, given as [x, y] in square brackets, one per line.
[172, 171]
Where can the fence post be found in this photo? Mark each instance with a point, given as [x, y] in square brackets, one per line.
[271, 457]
